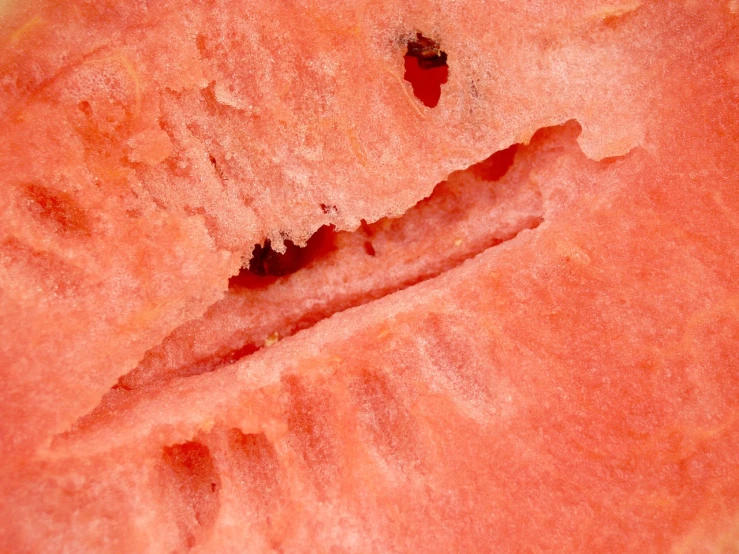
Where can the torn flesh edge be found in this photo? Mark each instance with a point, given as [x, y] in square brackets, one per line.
[250, 349]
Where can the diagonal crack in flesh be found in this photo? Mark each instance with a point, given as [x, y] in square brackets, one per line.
[472, 211]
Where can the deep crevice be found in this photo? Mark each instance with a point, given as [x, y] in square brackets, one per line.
[266, 264]
[375, 242]
[510, 167]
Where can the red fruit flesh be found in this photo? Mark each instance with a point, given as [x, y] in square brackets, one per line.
[466, 214]
[569, 387]
[247, 131]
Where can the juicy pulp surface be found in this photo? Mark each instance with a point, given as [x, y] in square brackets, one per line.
[572, 389]
[576, 404]
[148, 146]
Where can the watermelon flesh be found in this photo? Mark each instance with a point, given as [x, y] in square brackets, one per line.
[465, 215]
[185, 161]
[436, 436]
[573, 388]
[433, 435]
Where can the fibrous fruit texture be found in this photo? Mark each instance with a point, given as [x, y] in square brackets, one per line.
[369, 276]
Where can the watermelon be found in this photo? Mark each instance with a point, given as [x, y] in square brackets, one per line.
[566, 380]
[213, 148]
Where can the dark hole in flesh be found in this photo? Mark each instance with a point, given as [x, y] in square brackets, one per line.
[426, 69]
[267, 265]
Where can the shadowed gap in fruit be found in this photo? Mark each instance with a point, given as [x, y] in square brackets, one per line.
[267, 265]
[426, 69]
